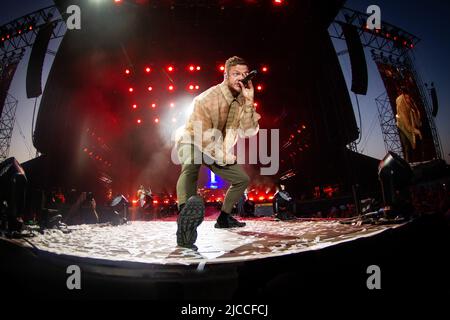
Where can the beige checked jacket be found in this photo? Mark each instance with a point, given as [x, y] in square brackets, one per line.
[209, 128]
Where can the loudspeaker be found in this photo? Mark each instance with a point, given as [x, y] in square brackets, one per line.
[357, 59]
[435, 102]
[264, 210]
[34, 71]
[12, 193]
[395, 175]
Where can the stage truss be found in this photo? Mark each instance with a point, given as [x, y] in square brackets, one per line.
[388, 125]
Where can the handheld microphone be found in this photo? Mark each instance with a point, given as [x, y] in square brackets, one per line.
[249, 77]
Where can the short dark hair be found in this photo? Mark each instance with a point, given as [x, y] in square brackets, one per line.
[234, 61]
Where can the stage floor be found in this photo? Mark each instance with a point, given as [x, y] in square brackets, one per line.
[154, 242]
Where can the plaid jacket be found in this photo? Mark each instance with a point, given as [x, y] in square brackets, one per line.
[207, 124]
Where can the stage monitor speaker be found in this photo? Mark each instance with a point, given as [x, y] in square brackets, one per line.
[263, 210]
[357, 59]
[435, 102]
[35, 65]
[395, 175]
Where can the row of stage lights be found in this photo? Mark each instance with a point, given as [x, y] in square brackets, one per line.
[397, 39]
[8, 34]
[156, 120]
[274, 2]
[191, 87]
[190, 68]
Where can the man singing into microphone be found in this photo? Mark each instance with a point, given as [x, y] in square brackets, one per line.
[220, 114]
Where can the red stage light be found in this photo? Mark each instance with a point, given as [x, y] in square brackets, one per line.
[30, 28]
[259, 87]
[130, 89]
[134, 106]
[191, 87]
[191, 68]
[170, 68]
[411, 46]
[198, 68]
[156, 120]
[155, 201]
[139, 121]
[264, 69]
[153, 105]
[150, 88]
[222, 68]
[261, 198]
[127, 71]
[117, 1]
[197, 87]
[147, 69]
[255, 104]
[171, 87]
[85, 150]
[278, 2]
[172, 104]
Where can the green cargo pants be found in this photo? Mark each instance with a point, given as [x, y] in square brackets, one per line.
[187, 182]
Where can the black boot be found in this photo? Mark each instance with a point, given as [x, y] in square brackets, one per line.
[225, 220]
[190, 217]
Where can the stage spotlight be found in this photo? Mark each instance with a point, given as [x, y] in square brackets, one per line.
[198, 68]
[278, 2]
[130, 89]
[395, 176]
[153, 105]
[150, 88]
[127, 71]
[255, 104]
[134, 106]
[171, 88]
[264, 69]
[222, 68]
[197, 87]
[172, 105]
[139, 121]
[147, 69]
[191, 68]
[259, 87]
[191, 87]
[156, 120]
[170, 68]
[119, 203]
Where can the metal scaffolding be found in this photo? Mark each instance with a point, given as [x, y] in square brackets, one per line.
[15, 37]
[389, 39]
[388, 125]
[21, 33]
[407, 62]
[7, 125]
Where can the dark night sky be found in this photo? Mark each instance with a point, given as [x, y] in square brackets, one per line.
[429, 20]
